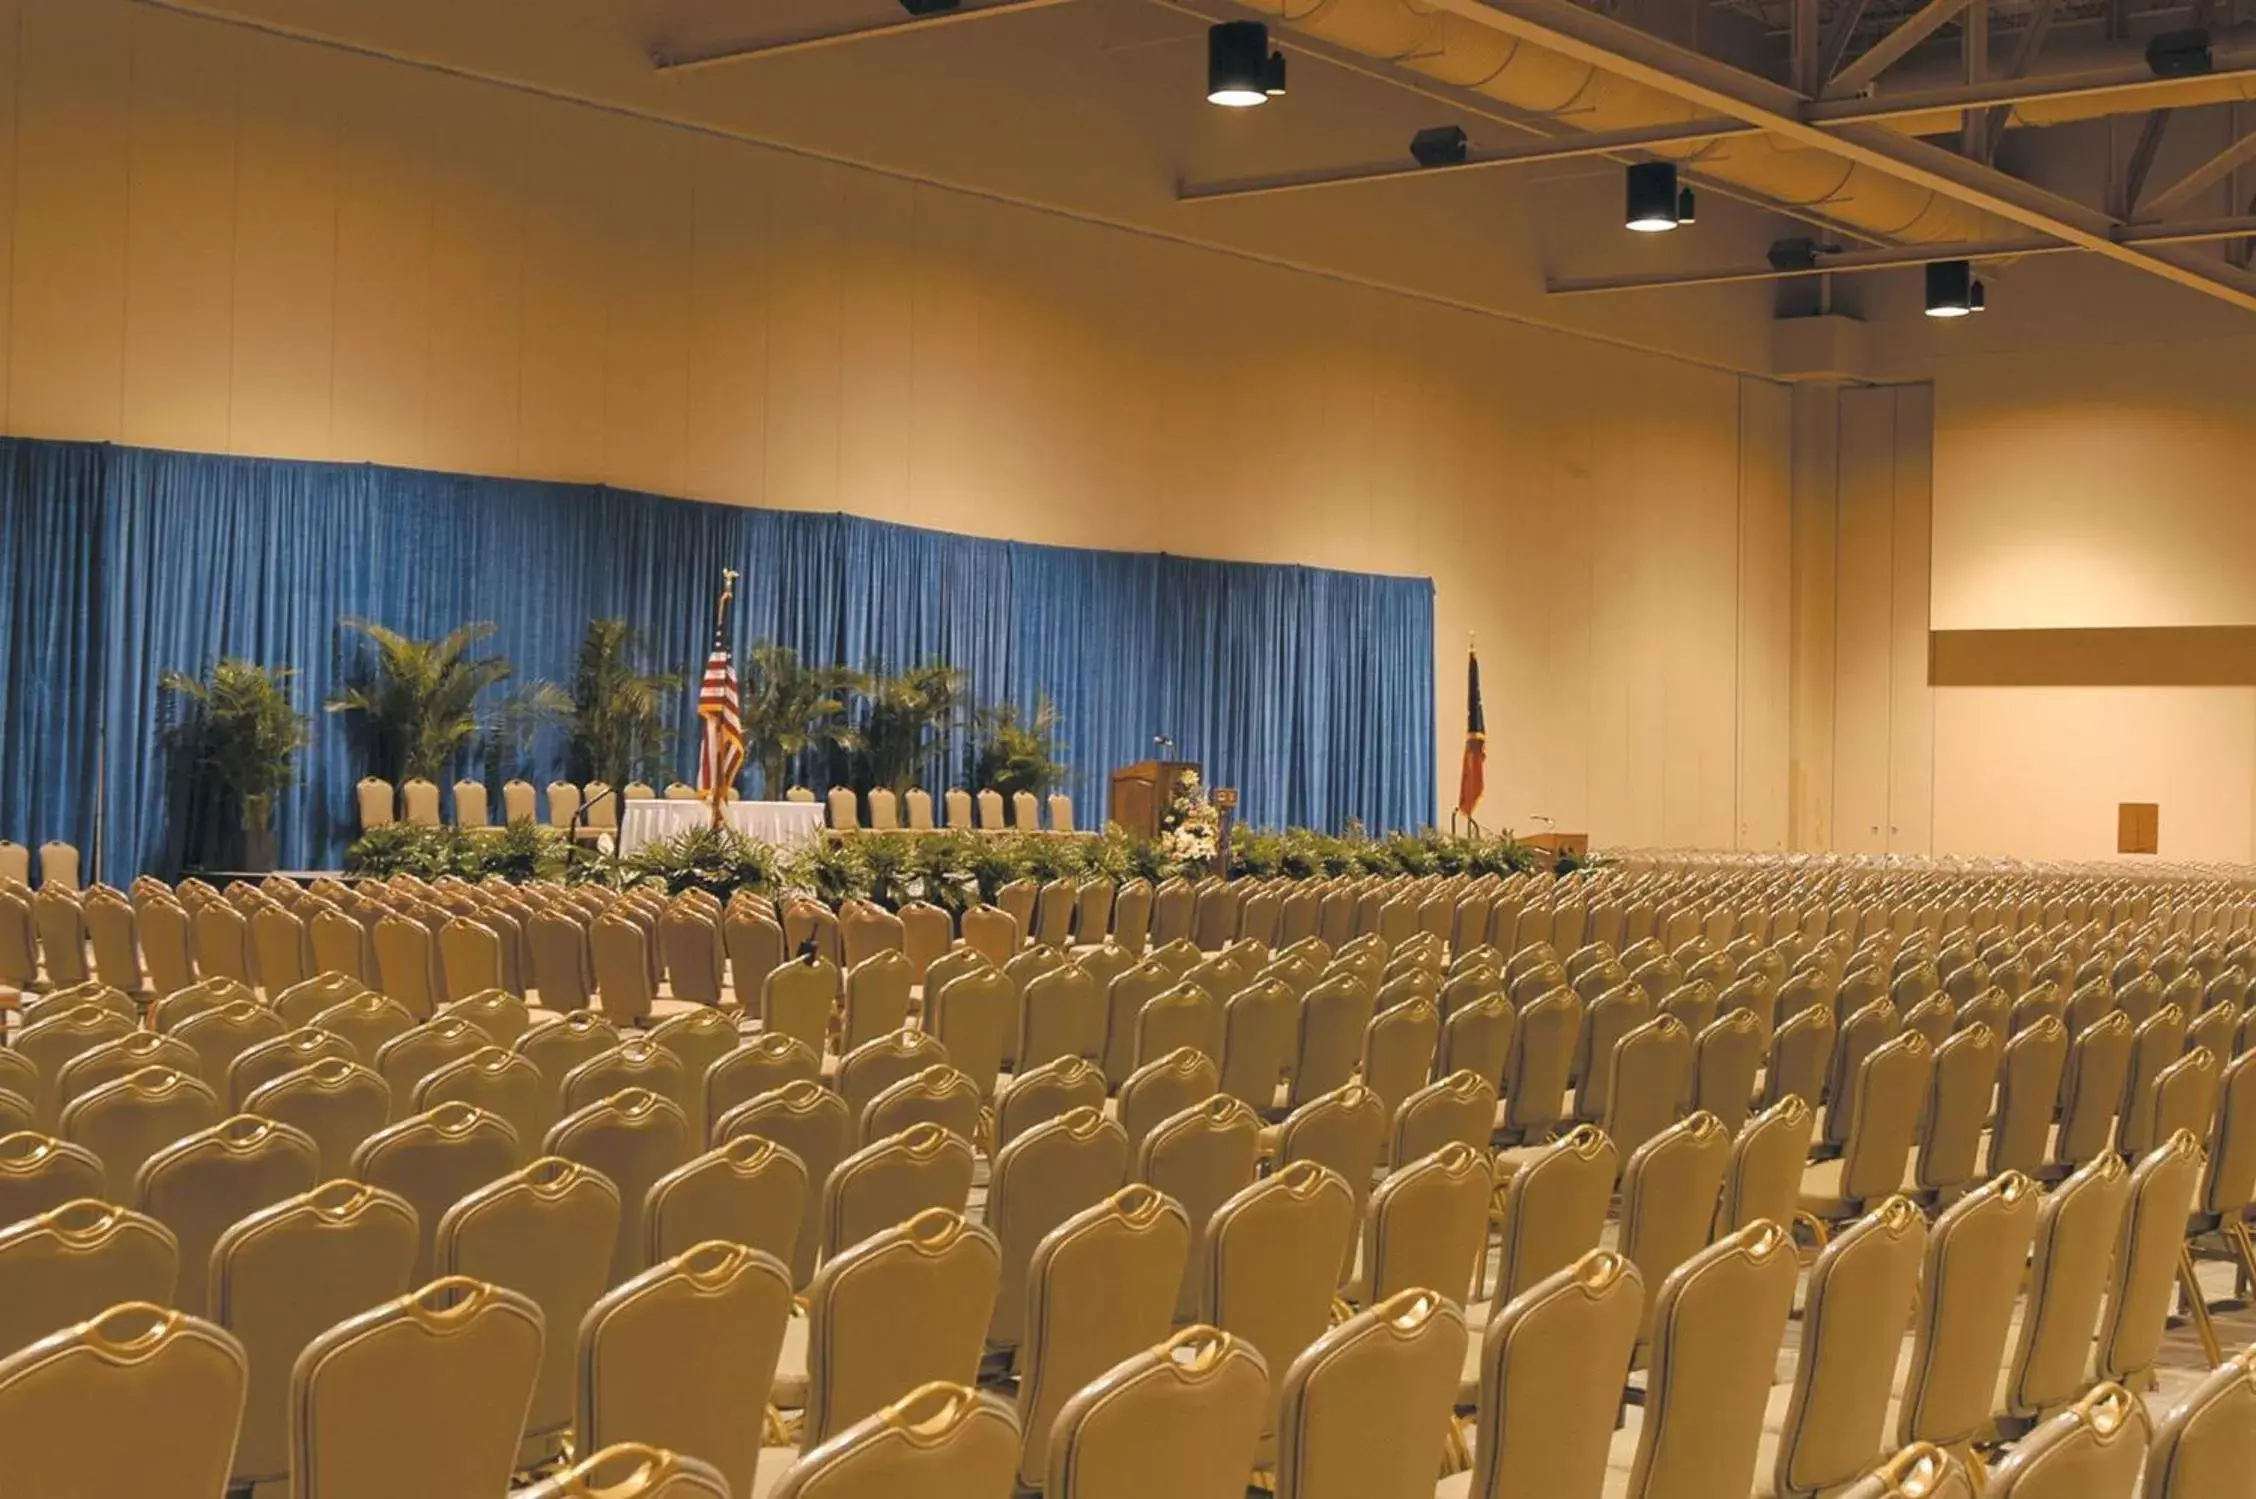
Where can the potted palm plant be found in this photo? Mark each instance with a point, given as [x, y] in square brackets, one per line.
[791, 708]
[416, 703]
[239, 736]
[905, 716]
[620, 713]
[1014, 751]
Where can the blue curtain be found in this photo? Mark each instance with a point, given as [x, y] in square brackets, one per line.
[1310, 691]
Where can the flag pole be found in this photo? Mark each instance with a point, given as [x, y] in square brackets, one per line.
[718, 791]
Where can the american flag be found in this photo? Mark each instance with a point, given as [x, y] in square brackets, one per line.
[721, 758]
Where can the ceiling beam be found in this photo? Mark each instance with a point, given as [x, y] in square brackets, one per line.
[2211, 172]
[2006, 90]
[1837, 46]
[2130, 181]
[668, 63]
[2026, 46]
[1889, 258]
[1565, 148]
[1892, 48]
[1807, 45]
[1569, 29]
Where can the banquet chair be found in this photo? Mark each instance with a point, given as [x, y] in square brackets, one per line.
[15, 862]
[916, 805]
[1460, 1107]
[1201, 1157]
[2030, 1070]
[1161, 1089]
[791, 794]
[110, 926]
[1055, 1088]
[519, 802]
[1553, 1208]
[632, 1470]
[1184, 1418]
[1270, 1262]
[1427, 1226]
[677, 1357]
[636, 1062]
[877, 994]
[1649, 1079]
[1061, 812]
[503, 1016]
[1799, 1052]
[67, 1264]
[798, 998]
[51, 1037]
[2092, 1088]
[1387, 1372]
[125, 1121]
[135, 1401]
[106, 1062]
[1125, 997]
[1861, 1294]
[2078, 1226]
[1726, 1056]
[432, 1160]
[301, 1003]
[991, 811]
[495, 1079]
[1100, 1287]
[1131, 916]
[844, 809]
[337, 1104]
[893, 1179]
[2149, 1261]
[563, 804]
[1053, 1171]
[1919, 1471]
[407, 960]
[219, 1036]
[470, 805]
[406, 1059]
[456, 1363]
[470, 958]
[633, 1137]
[599, 809]
[1536, 1078]
[2207, 1442]
[754, 940]
[747, 1191]
[419, 803]
[373, 798]
[202, 1183]
[2092, 1450]
[1025, 812]
[1552, 1365]
[223, 943]
[900, 1308]
[287, 1273]
[939, 1094]
[972, 1017]
[168, 945]
[1976, 1254]
[682, 791]
[697, 1038]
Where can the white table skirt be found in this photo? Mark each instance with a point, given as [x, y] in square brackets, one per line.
[784, 823]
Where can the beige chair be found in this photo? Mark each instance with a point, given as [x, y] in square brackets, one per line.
[620, 954]
[1345, 1130]
[1061, 1014]
[1184, 1015]
[406, 1059]
[992, 932]
[1477, 1037]
[1201, 1157]
[1183, 1419]
[2078, 1226]
[1553, 1208]
[1427, 1226]
[433, 1160]
[633, 1137]
[126, 1121]
[201, 1184]
[471, 958]
[407, 959]
[456, 1363]
[1542, 1058]
[501, 1082]
[1365, 1408]
[335, 1103]
[60, 923]
[365, 1022]
[1101, 1286]
[301, 1003]
[1460, 1107]
[1716, 1330]
[1964, 1081]
[285, 1274]
[1799, 1053]
[52, 1037]
[1649, 1080]
[561, 1045]
[697, 1038]
[1974, 1264]
[632, 1470]
[1051, 1172]
[1160, 1089]
[68, 1264]
[223, 943]
[798, 998]
[940, 1439]
[546, 1232]
[746, 1191]
[219, 1036]
[877, 997]
[39, 1174]
[1764, 1179]
[1883, 1107]
[2030, 1070]
[691, 944]
[2148, 1256]
[1398, 1051]
[2092, 1450]
[563, 804]
[863, 1073]
[1920, 1471]
[917, 802]
[1861, 1293]
[137, 1400]
[1726, 1056]
[1670, 1188]
[973, 1017]
[104, 1063]
[1553, 1361]
[939, 1094]
[637, 1062]
[1055, 1088]
[2099, 1064]
[563, 961]
[892, 1180]
[1125, 998]
[2207, 1443]
[679, 1356]
[1271, 1260]
[899, 1309]
[811, 1122]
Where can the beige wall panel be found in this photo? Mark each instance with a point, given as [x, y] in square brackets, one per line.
[875, 389]
[2037, 772]
[1766, 612]
[476, 323]
[647, 307]
[11, 33]
[565, 275]
[74, 142]
[1911, 727]
[1816, 582]
[1863, 613]
[804, 296]
[382, 385]
[280, 393]
[728, 335]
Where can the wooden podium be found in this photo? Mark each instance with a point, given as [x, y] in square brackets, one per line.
[1141, 793]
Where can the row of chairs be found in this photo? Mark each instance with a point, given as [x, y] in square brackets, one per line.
[416, 803]
[58, 864]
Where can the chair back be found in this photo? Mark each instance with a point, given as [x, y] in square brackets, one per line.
[905, 1306]
[1670, 1188]
[1045, 1092]
[939, 1095]
[365, 1022]
[974, 1016]
[676, 1357]
[1160, 1089]
[302, 1003]
[39, 1173]
[1200, 1157]
[620, 952]
[1543, 1056]
[2078, 1226]
[136, 1400]
[1428, 1225]
[456, 1363]
[1649, 1079]
[202, 1184]
[877, 994]
[1860, 1298]
[1061, 1013]
[893, 1179]
[1726, 1056]
[1768, 1155]
[1460, 1107]
[1041, 1179]
[54, 1034]
[334, 1103]
[1391, 1370]
[1964, 1084]
[433, 1160]
[125, 1121]
[503, 1083]
[1184, 1419]
[1272, 1260]
[1975, 1259]
[1884, 1109]
[637, 1062]
[1716, 1329]
[2147, 1256]
[2099, 1066]
[811, 1122]
[634, 1137]
[2207, 1443]
[221, 1035]
[2092, 1450]
[1553, 1209]
[747, 1191]
[100, 1064]
[560, 1046]
[70, 1263]
[1345, 1131]
[409, 1057]
[1553, 1363]
[863, 1073]
[1100, 1287]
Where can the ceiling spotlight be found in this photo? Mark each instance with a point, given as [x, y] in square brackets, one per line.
[2180, 54]
[1241, 71]
[928, 7]
[1656, 204]
[1441, 146]
[1952, 290]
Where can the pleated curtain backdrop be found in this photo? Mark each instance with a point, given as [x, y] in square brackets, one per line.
[1309, 690]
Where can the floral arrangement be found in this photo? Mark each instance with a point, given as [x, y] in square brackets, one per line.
[1190, 833]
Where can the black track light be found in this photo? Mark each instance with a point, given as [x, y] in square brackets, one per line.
[1441, 146]
[1952, 290]
[1241, 71]
[2180, 54]
[928, 7]
[1656, 203]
